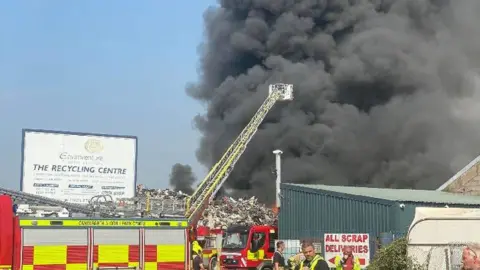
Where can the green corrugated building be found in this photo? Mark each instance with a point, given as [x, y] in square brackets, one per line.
[309, 211]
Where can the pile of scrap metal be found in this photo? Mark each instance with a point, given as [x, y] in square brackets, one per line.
[156, 203]
[219, 214]
[243, 211]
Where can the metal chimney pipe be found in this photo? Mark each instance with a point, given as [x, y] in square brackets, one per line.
[278, 172]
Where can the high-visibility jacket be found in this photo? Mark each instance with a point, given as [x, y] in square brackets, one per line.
[196, 247]
[339, 266]
[314, 262]
[295, 260]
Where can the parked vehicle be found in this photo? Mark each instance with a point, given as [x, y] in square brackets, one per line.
[68, 243]
[248, 247]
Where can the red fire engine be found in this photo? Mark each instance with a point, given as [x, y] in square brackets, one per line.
[68, 243]
[246, 247]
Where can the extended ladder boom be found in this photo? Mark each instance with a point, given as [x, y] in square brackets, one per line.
[222, 169]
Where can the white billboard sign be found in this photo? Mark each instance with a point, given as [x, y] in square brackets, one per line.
[74, 167]
[359, 242]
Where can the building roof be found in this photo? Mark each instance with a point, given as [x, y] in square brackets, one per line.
[459, 174]
[399, 195]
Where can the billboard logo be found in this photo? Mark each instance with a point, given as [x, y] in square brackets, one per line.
[93, 146]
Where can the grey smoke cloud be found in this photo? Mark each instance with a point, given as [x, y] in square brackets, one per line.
[182, 178]
[385, 90]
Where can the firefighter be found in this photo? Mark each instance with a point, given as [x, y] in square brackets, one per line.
[197, 256]
[295, 260]
[278, 258]
[312, 260]
[196, 246]
[347, 261]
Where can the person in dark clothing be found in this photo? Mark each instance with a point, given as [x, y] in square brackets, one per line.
[312, 260]
[197, 257]
[278, 258]
[198, 262]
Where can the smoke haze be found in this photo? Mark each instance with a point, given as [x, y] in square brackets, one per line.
[182, 178]
[385, 91]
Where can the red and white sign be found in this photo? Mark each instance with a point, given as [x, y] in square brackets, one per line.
[335, 242]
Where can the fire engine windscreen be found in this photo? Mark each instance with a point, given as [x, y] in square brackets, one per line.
[235, 240]
[386, 91]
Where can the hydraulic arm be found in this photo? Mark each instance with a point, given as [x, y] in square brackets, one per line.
[214, 180]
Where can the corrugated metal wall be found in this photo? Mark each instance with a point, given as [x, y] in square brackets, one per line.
[309, 213]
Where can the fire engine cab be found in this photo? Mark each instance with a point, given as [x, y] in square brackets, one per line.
[246, 247]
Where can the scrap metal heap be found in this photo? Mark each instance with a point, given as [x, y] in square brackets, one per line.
[154, 203]
[158, 202]
[218, 214]
[243, 211]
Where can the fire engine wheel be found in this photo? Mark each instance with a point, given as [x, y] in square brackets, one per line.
[213, 264]
[267, 268]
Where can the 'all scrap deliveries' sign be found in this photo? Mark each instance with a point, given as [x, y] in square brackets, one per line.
[335, 242]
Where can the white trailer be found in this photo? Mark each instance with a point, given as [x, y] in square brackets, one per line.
[438, 236]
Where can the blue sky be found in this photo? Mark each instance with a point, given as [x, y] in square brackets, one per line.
[117, 67]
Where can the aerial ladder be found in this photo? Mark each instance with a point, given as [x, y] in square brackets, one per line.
[214, 180]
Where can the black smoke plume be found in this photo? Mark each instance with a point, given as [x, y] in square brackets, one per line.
[182, 178]
[385, 91]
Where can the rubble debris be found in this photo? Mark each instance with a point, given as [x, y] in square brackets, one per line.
[161, 193]
[228, 211]
[219, 214]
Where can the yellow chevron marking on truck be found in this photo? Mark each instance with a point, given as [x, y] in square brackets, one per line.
[77, 266]
[112, 253]
[170, 253]
[44, 255]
